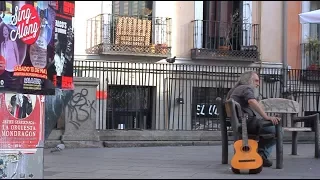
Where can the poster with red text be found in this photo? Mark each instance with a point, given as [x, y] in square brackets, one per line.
[64, 45]
[21, 121]
[25, 34]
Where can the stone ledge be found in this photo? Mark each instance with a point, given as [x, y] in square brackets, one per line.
[83, 144]
[56, 134]
[117, 144]
[145, 138]
[157, 135]
[121, 144]
[51, 143]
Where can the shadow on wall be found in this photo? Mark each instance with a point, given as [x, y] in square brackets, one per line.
[54, 108]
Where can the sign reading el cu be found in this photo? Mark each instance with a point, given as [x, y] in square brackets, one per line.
[28, 24]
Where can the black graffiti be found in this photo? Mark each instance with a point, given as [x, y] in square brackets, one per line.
[79, 104]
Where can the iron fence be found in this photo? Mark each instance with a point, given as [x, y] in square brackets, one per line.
[222, 40]
[107, 33]
[182, 97]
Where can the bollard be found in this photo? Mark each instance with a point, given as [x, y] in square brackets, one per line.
[101, 97]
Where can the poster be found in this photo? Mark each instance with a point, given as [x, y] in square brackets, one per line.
[25, 32]
[21, 121]
[63, 42]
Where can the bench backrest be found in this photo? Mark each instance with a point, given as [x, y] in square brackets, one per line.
[280, 105]
[234, 112]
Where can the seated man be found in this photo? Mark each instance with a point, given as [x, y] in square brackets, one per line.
[245, 92]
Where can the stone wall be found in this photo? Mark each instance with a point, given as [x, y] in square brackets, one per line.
[80, 116]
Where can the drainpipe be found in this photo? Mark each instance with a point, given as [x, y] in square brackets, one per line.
[284, 36]
[101, 7]
[284, 44]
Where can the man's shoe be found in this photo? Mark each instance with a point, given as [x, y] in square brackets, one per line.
[266, 162]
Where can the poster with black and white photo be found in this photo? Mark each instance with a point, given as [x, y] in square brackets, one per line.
[62, 59]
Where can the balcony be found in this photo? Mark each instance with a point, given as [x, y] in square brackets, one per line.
[310, 53]
[128, 35]
[215, 40]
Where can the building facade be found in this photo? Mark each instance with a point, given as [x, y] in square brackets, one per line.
[129, 46]
[199, 25]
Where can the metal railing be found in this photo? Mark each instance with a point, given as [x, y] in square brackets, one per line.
[311, 55]
[181, 97]
[107, 33]
[226, 40]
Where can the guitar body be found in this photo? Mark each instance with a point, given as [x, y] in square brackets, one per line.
[246, 159]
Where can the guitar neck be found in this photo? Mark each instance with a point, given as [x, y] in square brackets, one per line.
[244, 130]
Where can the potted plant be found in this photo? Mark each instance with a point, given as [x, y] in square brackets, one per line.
[230, 30]
[312, 52]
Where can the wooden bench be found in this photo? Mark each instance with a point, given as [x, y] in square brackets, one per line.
[232, 109]
[290, 107]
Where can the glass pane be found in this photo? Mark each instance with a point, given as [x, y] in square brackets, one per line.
[314, 28]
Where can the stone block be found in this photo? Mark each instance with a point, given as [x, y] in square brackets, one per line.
[81, 111]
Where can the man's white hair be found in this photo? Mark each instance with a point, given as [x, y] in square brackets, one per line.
[244, 79]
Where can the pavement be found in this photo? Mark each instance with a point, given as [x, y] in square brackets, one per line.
[174, 162]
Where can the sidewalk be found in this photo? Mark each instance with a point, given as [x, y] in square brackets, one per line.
[187, 162]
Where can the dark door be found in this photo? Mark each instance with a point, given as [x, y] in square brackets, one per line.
[217, 23]
[130, 106]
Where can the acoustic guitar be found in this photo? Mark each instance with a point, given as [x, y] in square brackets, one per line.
[246, 158]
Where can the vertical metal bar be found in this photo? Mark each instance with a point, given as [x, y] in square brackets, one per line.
[137, 97]
[164, 95]
[184, 96]
[174, 75]
[105, 101]
[129, 89]
[178, 78]
[193, 98]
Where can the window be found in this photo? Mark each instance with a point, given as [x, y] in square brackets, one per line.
[204, 107]
[131, 8]
[314, 28]
[217, 27]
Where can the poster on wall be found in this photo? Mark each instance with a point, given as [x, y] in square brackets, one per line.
[21, 121]
[25, 32]
[63, 43]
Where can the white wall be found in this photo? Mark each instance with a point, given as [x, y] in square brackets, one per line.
[198, 15]
[85, 10]
[305, 29]
[271, 31]
[247, 18]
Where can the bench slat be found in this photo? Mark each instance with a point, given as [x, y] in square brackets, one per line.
[300, 129]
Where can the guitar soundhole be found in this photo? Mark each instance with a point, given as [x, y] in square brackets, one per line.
[245, 148]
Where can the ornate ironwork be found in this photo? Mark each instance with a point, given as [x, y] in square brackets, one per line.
[216, 54]
[109, 33]
[225, 41]
[128, 98]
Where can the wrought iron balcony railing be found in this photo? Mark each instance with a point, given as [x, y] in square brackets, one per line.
[225, 41]
[310, 54]
[139, 35]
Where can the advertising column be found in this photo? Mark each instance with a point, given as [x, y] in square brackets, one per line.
[26, 36]
[21, 127]
[64, 45]
[25, 33]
